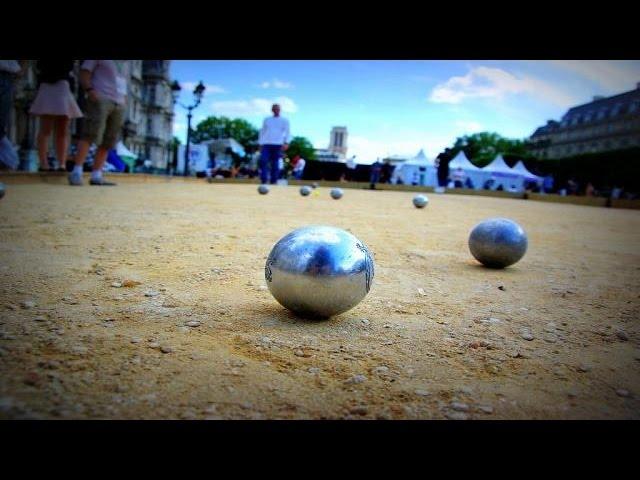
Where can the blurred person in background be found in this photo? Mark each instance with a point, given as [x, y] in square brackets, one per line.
[56, 107]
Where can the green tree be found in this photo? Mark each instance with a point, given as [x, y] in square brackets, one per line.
[482, 148]
[301, 146]
[223, 127]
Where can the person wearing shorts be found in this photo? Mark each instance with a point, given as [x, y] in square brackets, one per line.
[104, 82]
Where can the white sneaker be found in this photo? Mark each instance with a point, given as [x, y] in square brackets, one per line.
[8, 155]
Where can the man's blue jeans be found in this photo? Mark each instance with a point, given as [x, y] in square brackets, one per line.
[269, 156]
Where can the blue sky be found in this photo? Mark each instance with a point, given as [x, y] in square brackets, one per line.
[399, 107]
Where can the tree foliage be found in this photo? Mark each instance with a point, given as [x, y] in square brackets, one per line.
[301, 146]
[482, 148]
[239, 129]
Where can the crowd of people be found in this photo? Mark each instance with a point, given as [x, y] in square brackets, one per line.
[105, 87]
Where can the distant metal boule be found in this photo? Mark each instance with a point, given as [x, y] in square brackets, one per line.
[336, 193]
[319, 271]
[420, 201]
[263, 189]
[498, 242]
[305, 190]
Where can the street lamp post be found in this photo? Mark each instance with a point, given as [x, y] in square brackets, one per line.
[198, 92]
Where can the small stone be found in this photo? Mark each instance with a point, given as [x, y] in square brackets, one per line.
[357, 379]
[79, 350]
[165, 349]
[422, 292]
[622, 335]
[27, 304]
[40, 319]
[266, 340]
[136, 340]
[298, 353]
[32, 379]
[460, 407]
[456, 416]
[526, 335]
[361, 410]
[151, 293]
[154, 345]
[262, 288]
[621, 392]
[501, 287]
[422, 393]
[116, 285]
[486, 408]
[583, 368]
[314, 370]
[192, 323]
[365, 322]
[381, 370]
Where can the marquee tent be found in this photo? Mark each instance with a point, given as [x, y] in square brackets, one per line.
[418, 170]
[477, 175]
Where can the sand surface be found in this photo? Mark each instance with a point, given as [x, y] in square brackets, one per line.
[200, 336]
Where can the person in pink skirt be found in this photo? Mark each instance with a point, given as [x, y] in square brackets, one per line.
[55, 106]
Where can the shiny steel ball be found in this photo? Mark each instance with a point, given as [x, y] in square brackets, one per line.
[2, 190]
[319, 271]
[420, 201]
[498, 242]
[336, 193]
[263, 189]
[314, 185]
[304, 191]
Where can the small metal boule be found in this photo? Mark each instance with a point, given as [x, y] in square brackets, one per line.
[305, 190]
[498, 242]
[319, 271]
[336, 193]
[263, 189]
[420, 201]
[314, 185]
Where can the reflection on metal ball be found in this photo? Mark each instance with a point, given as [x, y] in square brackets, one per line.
[319, 271]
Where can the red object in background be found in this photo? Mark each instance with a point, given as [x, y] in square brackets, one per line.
[295, 160]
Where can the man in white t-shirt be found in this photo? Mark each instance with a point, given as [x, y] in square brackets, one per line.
[273, 140]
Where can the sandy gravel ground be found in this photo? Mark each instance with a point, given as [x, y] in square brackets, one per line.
[200, 337]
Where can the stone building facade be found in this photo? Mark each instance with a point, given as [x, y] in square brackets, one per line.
[148, 127]
[605, 124]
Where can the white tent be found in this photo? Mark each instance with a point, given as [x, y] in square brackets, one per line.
[476, 175]
[123, 151]
[522, 170]
[418, 170]
[504, 175]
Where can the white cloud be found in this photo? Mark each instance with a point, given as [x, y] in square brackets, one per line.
[188, 87]
[613, 76]
[469, 126]
[495, 83]
[275, 83]
[253, 106]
